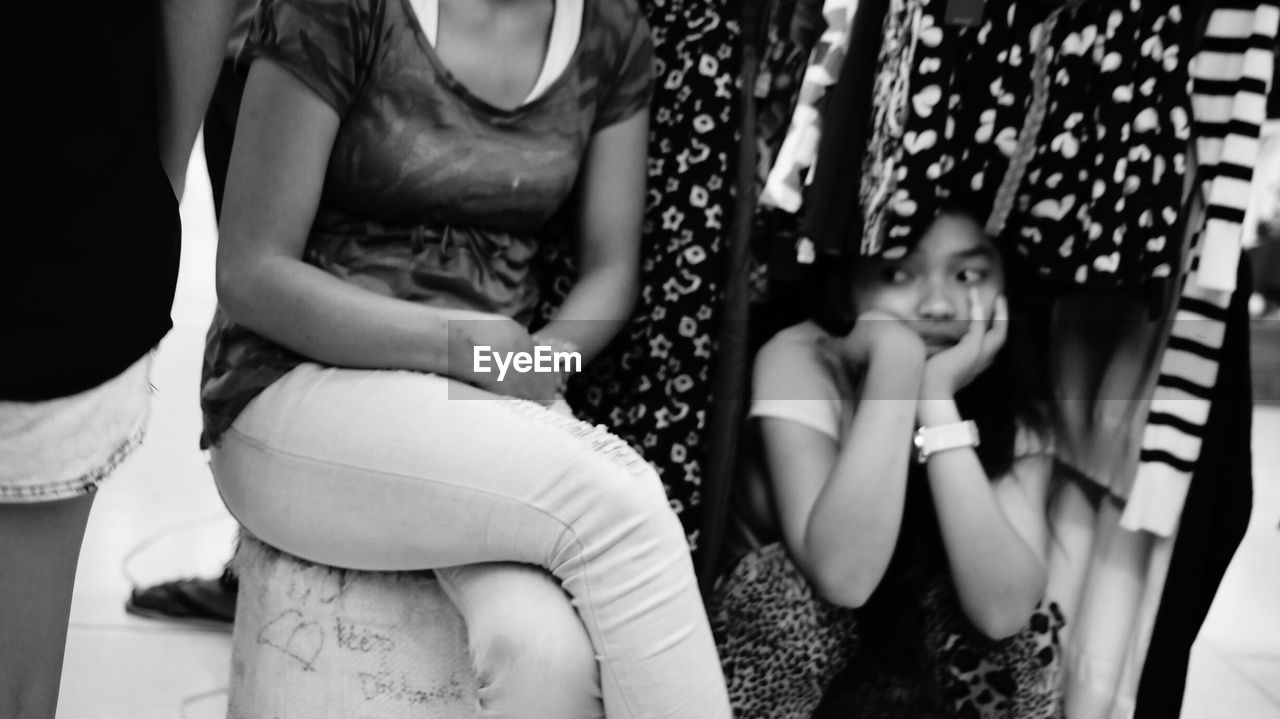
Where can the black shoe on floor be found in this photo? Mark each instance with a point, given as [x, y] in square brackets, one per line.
[207, 602]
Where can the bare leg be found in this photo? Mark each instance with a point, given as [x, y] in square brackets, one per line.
[39, 549]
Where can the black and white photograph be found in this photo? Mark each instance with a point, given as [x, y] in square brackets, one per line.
[641, 359]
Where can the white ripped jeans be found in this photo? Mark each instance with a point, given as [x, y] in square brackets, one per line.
[390, 470]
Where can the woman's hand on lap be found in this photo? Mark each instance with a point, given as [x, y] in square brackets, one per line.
[502, 337]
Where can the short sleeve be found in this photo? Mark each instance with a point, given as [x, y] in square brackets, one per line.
[628, 86]
[790, 381]
[323, 43]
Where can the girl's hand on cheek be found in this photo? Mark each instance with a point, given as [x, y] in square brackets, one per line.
[952, 369]
[880, 333]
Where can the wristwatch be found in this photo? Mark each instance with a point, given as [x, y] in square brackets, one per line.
[931, 440]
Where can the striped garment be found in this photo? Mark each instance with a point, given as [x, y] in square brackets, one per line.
[1230, 78]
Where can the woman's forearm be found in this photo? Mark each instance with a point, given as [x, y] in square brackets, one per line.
[610, 207]
[853, 526]
[305, 309]
[597, 307]
[998, 577]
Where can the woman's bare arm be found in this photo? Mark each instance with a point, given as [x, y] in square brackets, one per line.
[996, 534]
[841, 505]
[191, 47]
[610, 197]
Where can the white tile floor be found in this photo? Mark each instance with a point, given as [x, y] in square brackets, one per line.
[160, 517]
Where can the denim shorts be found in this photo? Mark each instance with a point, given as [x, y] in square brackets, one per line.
[63, 448]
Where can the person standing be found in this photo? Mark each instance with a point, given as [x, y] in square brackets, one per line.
[112, 101]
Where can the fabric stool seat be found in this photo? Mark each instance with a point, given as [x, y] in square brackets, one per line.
[317, 642]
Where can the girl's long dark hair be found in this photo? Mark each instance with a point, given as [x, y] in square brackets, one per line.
[1010, 394]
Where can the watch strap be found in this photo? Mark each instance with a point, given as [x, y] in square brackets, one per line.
[940, 438]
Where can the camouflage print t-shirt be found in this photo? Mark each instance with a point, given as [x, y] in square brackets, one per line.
[431, 195]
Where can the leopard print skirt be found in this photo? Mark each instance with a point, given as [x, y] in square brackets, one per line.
[788, 654]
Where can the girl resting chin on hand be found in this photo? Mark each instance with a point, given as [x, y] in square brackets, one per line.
[910, 487]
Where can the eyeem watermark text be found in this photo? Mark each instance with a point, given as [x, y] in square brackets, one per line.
[543, 359]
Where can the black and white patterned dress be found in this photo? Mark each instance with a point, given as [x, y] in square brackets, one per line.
[1098, 204]
[651, 386]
